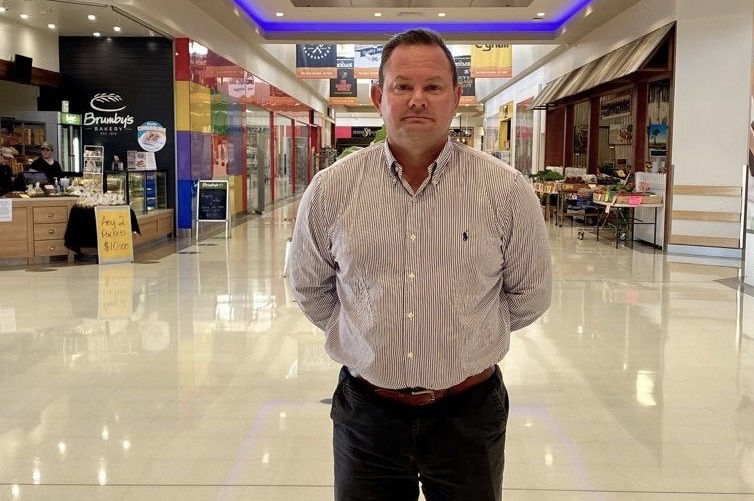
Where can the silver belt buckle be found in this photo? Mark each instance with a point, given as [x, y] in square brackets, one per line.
[431, 393]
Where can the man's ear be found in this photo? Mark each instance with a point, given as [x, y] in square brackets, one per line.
[375, 94]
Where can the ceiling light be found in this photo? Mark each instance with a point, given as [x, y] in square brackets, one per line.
[440, 14]
[97, 34]
[378, 14]
[279, 14]
[116, 28]
[51, 26]
[3, 9]
[91, 17]
[24, 16]
[540, 14]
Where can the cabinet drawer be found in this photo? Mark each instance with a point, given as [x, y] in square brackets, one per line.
[50, 248]
[49, 231]
[52, 214]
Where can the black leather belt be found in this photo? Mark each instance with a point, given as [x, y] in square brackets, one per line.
[422, 396]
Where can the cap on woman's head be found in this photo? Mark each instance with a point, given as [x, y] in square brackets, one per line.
[47, 146]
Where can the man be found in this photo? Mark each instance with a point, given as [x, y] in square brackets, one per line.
[47, 163]
[417, 256]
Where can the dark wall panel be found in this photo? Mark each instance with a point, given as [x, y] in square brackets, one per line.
[119, 84]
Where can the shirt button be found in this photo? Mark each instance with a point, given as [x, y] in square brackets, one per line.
[410, 355]
[413, 200]
[413, 237]
[410, 315]
[411, 276]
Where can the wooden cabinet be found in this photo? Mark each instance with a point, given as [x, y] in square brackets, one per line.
[49, 230]
[36, 229]
[153, 225]
[14, 234]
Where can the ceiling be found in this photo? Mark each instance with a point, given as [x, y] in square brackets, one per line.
[463, 21]
[71, 18]
[344, 21]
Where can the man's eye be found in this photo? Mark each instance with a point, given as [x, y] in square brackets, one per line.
[401, 88]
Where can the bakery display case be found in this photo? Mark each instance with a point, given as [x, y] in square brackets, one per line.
[94, 159]
[144, 191]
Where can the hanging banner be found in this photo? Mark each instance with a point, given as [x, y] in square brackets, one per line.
[316, 60]
[491, 61]
[463, 67]
[367, 61]
[343, 88]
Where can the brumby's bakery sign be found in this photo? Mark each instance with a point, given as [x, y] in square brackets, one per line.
[107, 116]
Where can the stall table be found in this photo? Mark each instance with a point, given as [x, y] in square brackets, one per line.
[625, 220]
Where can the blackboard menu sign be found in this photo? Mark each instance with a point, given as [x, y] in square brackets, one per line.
[212, 200]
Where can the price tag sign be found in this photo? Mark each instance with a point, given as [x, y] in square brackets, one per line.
[115, 242]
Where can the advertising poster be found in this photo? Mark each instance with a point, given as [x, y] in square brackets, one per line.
[463, 66]
[491, 61]
[316, 60]
[367, 61]
[343, 88]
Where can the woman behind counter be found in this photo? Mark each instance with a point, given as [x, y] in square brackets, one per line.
[47, 164]
[6, 171]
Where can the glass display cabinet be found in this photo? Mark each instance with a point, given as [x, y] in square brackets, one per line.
[144, 191]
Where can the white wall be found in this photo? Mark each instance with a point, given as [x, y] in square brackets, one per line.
[711, 114]
[41, 46]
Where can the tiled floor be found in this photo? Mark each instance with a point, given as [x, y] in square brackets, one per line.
[193, 376]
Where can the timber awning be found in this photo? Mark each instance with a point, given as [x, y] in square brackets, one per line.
[616, 64]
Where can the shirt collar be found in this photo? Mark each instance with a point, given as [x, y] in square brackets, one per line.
[437, 169]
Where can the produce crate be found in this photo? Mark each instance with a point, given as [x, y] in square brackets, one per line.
[652, 199]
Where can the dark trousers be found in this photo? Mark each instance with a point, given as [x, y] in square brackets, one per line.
[383, 449]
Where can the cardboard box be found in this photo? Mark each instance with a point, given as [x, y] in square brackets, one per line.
[652, 199]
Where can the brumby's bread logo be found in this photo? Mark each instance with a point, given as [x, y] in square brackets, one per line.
[106, 103]
[106, 118]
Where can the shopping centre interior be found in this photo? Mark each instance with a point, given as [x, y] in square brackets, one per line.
[187, 371]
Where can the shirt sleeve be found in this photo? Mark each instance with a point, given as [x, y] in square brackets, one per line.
[527, 272]
[311, 267]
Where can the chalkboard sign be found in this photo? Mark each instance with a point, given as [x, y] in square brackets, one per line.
[115, 242]
[212, 201]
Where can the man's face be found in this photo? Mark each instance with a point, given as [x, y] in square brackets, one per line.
[417, 100]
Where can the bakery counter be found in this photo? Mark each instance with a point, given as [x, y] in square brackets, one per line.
[32, 228]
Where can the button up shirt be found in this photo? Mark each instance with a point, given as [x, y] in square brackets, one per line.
[420, 288]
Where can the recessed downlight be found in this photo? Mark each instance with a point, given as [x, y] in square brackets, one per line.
[279, 14]
[440, 14]
[116, 29]
[51, 26]
[24, 16]
[3, 9]
[91, 17]
[378, 14]
[97, 34]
